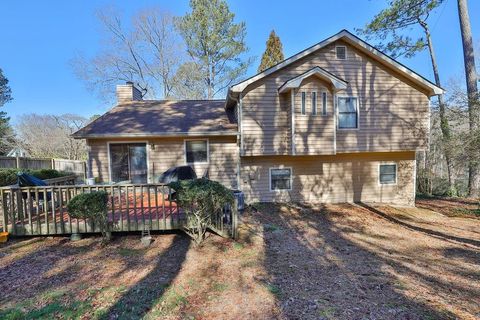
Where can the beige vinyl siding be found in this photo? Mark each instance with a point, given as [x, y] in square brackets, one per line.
[170, 152]
[329, 179]
[394, 115]
[314, 134]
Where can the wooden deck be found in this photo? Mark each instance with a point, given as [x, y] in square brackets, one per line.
[43, 210]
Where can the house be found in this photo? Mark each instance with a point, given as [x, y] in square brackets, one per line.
[337, 122]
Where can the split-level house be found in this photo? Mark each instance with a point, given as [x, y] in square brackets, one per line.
[338, 122]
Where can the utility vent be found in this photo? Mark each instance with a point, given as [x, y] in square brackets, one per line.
[341, 52]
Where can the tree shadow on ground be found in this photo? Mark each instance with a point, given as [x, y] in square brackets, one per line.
[317, 273]
[430, 232]
[139, 299]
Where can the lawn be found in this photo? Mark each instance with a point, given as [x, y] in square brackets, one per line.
[292, 262]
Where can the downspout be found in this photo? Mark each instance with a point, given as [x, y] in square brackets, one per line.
[239, 134]
[240, 147]
[292, 93]
[334, 110]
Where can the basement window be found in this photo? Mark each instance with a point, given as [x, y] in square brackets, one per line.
[280, 179]
[387, 173]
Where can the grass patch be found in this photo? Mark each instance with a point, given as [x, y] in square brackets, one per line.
[273, 289]
[127, 252]
[220, 287]
[270, 227]
[468, 212]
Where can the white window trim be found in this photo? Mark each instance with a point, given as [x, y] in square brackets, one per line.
[336, 56]
[147, 149]
[316, 102]
[396, 173]
[326, 103]
[301, 102]
[358, 112]
[185, 151]
[270, 179]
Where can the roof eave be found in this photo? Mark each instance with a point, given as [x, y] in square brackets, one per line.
[154, 135]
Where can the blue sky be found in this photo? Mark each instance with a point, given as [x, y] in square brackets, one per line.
[39, 38]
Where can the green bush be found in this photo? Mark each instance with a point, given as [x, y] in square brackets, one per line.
[201, 199]
[9, 176]
[91, 206]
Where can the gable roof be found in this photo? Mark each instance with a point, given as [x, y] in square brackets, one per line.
[338, 83]
[356, 42]
[163, 118]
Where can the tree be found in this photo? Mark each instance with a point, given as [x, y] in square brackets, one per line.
[389, 27]
[273, 53]
[201, 199]
[189, 82]
[50, 135]
[7, 137]
[215, 43]
[146, 52]
[473, 95]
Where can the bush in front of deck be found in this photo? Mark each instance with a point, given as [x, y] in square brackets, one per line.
[91, 206]
[201, 199]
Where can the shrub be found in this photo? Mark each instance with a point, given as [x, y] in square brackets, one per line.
[201, 199]
[9, 176]
[91, 206]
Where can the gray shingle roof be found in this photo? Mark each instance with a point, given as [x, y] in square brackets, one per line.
[163, 118]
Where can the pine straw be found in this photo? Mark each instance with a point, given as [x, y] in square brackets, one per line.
[292, 262]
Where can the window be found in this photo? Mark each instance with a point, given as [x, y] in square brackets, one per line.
[280, 179]
[314, 103]
[304, 101]
[347, 113]
[388, 174]
[196, 151]
[341, 52]
[324, 103]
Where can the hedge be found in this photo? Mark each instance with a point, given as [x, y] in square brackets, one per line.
[9, 176]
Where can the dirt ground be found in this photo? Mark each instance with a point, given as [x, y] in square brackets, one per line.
[453, 207]
[292, 262]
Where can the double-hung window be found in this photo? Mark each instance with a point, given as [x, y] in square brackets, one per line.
[347, 113]
[280, 179]
[196, 151]
[387, 173]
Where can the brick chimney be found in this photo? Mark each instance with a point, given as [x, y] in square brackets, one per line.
[128, 92]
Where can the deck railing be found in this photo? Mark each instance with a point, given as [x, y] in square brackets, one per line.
[133, 207]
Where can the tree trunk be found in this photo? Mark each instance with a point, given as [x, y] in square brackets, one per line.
[472, 92]
[445, 128]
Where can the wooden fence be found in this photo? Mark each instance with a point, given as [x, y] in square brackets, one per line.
[132, 207]
[78, 167]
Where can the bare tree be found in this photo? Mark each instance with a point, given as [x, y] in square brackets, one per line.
[50, 135]
[472, 92]
[147, 52]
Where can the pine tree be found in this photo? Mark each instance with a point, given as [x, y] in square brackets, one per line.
[6, 131]
[273, 53]
[215, 43]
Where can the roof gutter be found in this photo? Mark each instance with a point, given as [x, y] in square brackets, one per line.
[154, 135]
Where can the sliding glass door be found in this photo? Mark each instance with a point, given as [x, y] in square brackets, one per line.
[128, 162]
